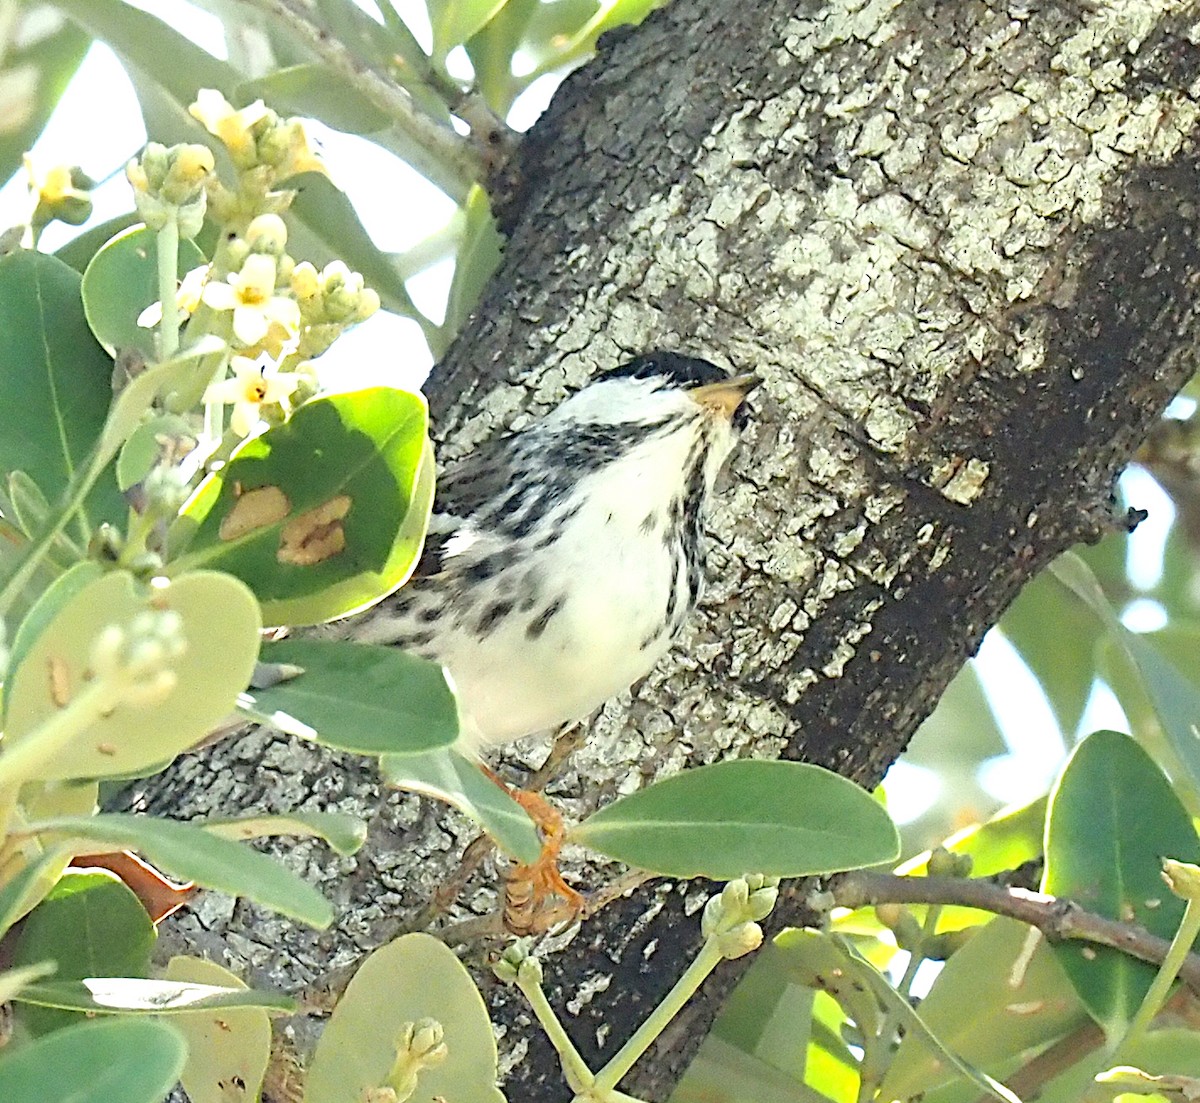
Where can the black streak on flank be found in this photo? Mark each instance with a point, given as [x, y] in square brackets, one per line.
[493, 615]
[538, 626]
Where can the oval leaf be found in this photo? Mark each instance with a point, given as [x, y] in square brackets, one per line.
[192, 854]
[138, 996]
[344, 833]
[362, 697]
[121, 281]
[1112, 817]
[1018, 998]
[784, 819]
[323, 515]
[55, 384]
[414, 977]
[228, 1048]
[221, 627]
[448, 776]
[134, 1061]
[25, 888]
[90, 925]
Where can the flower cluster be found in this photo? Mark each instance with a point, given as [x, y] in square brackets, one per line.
[275, 314]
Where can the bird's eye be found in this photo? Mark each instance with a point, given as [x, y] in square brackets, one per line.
[677, 369]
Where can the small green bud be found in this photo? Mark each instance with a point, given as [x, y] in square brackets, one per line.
[155, 164]
[762, 902]
[509, 962]
[106, 543]
[267, 234]
[1182, 878]
[189, 166]
[944, 863]
[739, 941]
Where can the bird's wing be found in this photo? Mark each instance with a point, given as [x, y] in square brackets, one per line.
[465, 490]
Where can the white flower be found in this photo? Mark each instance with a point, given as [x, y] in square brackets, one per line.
[187, 298]
[219, 117]
[250, 294]
[255, 383]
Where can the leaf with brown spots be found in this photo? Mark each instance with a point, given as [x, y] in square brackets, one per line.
[316, 535]
[320, 516]
[254, 509]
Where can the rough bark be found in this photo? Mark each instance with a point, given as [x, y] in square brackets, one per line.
[958, 243]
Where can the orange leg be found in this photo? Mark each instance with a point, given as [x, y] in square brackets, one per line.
[536, 897]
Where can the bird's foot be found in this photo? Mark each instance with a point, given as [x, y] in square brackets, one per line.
[536, 898]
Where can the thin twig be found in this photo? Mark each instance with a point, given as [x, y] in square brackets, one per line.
[454, 163]
[1057, 918]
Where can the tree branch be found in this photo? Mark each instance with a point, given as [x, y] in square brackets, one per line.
[447, 159]
[1057, 918]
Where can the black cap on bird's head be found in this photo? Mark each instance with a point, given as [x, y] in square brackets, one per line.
[711, 387]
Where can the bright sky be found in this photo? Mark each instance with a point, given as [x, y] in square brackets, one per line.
[98, 126]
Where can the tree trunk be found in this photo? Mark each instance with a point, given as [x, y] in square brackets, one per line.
[958, 243]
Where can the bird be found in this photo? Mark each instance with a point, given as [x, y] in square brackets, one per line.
[563, 558]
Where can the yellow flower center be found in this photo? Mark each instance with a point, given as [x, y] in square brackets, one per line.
[256, 392]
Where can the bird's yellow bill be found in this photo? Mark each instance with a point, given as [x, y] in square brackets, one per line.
[725, 396]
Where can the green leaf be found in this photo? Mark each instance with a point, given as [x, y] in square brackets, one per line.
[54, 381]
[412, 978]
[551, 26]
[478, 258]
[29, 506]
[344, 833]
[221, 626]
[191, 853]
[314, 91]
[125, 1060]
[756, 1050]
[13, 980]
[322, 515]
[78, 252]
[1057, 640]
[363, 698]
[784, 819]
[448, 776]
[121, 281]
[829, 963]
[228, 1049]
[1000, 995]
[1112, 817]
[173, 60]
[722, 1073]
[491, 50]
[960, 733]
[1169, 1052]
[1176, 703]
[51, 61]
[90, 925]
[25, 888]
[138, 996]
[54, 598]
[142, 450]
[454, 21]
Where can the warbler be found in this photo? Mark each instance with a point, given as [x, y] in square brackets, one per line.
[562, 559]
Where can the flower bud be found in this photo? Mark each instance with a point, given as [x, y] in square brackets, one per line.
[305, 282]
[189, 166]
[267, 234]
[1182, 878]
[740, 940]
[945, 863]
[507, 966]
